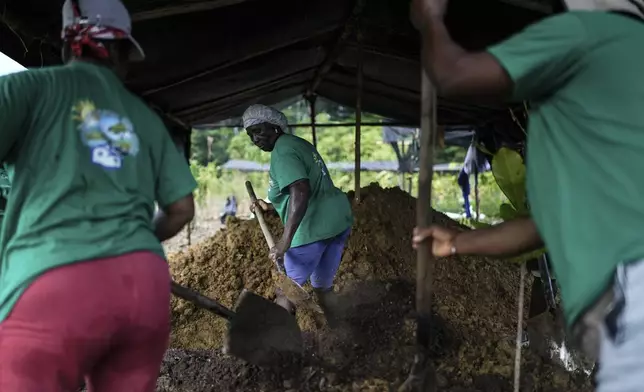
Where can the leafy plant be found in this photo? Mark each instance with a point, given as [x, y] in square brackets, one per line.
[510, 174]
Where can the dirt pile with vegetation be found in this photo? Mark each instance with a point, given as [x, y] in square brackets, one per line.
[474, 324]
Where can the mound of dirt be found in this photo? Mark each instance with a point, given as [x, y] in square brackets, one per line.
[474, 325]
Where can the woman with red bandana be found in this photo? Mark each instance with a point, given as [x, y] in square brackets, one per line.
[84, 286]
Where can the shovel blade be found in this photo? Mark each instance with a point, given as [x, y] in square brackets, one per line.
[296, 294]
[262, 332]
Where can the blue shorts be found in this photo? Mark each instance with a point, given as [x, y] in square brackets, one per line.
[318, 261]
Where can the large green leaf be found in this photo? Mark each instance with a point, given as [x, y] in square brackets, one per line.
[509, 171]
[507, 212]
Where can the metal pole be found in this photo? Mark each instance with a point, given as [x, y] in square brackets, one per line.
[312, 113]
[358, 116]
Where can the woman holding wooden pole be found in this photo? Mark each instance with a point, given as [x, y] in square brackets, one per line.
[583, 74]
[316, 214]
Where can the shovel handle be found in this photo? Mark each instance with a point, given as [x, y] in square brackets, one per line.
[425, 258]
[201, 301]
[260, 216]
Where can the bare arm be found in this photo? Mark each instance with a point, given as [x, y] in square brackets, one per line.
[170, 220]
[457, 72]
[507, 239]
[297, 206]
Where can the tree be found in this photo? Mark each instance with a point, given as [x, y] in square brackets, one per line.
[211, 145]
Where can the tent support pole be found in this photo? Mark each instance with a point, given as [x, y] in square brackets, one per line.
[360, 77]
[312, 113]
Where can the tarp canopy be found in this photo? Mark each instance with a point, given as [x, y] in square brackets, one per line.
[207, 60]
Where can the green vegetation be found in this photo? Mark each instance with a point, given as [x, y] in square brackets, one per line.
[335, 145]
[215, 183]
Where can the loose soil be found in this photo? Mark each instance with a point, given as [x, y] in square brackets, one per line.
[473, 328]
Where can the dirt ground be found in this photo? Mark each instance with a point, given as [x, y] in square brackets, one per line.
[473, 328]
[205, 225]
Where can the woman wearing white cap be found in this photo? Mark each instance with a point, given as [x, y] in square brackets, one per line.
[316, 214]
[582, 72]
[84, 286]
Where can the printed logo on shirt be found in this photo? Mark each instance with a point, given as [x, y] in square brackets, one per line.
[271, 183]
[318, 160]
[109, 136]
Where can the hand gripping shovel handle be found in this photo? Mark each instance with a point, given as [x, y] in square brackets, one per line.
[201, 301]
[262, 222]
[423, 374]
[260, 216]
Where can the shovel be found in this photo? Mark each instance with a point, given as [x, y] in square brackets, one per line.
[423, 373]
[259, 331]
[291, 289]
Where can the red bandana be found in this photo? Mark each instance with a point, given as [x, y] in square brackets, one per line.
[82, 34]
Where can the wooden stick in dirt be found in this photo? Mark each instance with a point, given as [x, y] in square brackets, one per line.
[425, 258]
[423, 374]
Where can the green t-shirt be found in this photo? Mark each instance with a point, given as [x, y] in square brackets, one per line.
[329, 211]
[87, 160]
[582, 72]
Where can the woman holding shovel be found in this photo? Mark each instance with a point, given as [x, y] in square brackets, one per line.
[84, 285]
[583, 76]
[316, 214]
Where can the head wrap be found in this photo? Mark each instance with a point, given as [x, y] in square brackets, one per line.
[87, 22]
[632, 6]
[259, 114]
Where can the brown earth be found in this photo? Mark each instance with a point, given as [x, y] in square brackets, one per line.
[473, 328]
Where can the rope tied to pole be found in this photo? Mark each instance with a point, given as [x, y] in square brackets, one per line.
[517, 355]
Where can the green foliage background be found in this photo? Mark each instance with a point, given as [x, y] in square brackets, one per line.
[335, 145]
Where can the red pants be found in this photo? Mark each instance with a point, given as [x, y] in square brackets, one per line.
[105, 320]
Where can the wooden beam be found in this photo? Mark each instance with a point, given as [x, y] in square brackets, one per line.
[337, 48]
[309, 125]
[185, 8]
[312, 112]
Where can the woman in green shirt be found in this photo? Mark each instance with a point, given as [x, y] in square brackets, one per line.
[316, 214]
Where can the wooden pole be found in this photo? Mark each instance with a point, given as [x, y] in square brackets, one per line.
[402, 173]
[423, 373]
[312, 112]
[425, 260]
[360, 77]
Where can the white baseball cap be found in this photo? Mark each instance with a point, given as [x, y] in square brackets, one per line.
[632, 6]
[108, 13]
